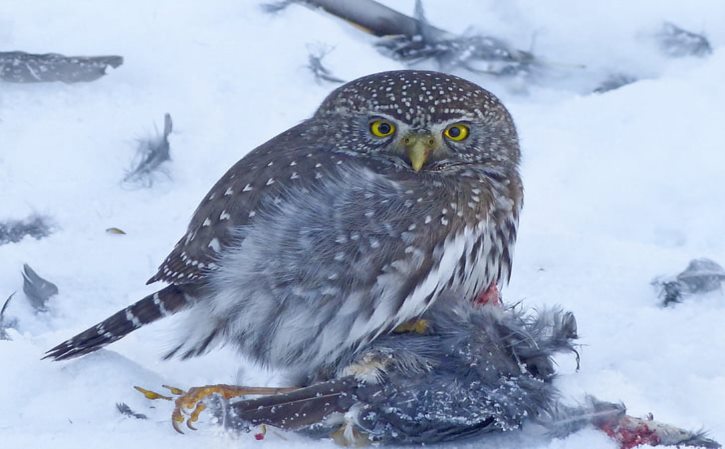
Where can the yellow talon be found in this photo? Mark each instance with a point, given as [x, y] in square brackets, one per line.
[177, 418]
[415, 326]
[175, 391]
[152, 395]
[193, 399]
[194, 416]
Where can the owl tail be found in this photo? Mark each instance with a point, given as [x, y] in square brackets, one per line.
[166, 301]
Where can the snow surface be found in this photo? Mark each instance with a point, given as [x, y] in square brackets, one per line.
[620, 187]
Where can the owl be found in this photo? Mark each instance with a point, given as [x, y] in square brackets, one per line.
[403, 186]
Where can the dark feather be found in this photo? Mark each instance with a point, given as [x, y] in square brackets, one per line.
[157, 305]
[21, 67]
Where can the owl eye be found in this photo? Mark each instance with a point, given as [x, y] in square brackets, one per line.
[381, 128]
[456, 132]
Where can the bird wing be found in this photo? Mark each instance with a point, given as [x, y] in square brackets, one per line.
[231, 203]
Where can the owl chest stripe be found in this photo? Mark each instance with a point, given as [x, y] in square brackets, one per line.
[446, 274]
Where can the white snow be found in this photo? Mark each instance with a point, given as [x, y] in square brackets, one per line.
[620, 187]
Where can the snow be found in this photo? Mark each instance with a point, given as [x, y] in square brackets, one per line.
[620, 187]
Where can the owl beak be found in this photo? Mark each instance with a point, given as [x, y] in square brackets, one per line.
[419, 147]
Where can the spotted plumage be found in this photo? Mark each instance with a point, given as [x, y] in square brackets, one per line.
[345, 226]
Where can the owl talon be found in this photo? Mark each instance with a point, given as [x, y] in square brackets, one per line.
[194, 416]
[419, 326]
[193, 399]
[177, 418]
[152, 395]
[173, 390]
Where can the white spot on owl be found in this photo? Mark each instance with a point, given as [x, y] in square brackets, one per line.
[214, 245]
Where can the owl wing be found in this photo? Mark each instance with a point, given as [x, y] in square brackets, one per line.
[233, 202]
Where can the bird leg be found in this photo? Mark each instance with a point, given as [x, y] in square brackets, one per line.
[191, 402]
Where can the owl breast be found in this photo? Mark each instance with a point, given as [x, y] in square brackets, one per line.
[330, 267]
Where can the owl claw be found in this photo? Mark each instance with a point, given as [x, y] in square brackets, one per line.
[193, 399]
[419, 326]
[152, 395]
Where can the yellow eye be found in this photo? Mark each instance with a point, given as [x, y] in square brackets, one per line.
[456, 132]
[381, 128]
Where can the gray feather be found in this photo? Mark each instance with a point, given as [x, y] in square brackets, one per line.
[21, 67]
[36, 226]
[151, 154]
[677, 42]
[36, 289]
[4, 322]
[319, 71]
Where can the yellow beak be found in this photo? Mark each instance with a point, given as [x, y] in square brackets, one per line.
[419, 147]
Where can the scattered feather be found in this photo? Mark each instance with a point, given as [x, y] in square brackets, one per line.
[614, 81]
[151, 154]
[701, 276]
[34, 226]
[21, 67]
[125, 410]
[114, 230]
[676, 42]
[36, 289]
[414, 39]
[314, 63]
[275, 7]
[474, 52]
[4, 322]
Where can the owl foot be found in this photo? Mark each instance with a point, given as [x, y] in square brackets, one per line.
[419, 326]
[191, 403]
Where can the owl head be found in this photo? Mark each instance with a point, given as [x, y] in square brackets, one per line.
[427, 121]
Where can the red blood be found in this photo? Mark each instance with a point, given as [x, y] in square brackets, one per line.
[630, 436]
[490, 296]
[258, 436]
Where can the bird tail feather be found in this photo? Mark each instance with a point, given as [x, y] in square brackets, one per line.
[166, 301]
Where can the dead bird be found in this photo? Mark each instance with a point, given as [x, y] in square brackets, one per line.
[464, 371]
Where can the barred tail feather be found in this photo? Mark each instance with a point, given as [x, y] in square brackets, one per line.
[166, 301]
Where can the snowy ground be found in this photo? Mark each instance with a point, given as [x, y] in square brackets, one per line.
[620, 187]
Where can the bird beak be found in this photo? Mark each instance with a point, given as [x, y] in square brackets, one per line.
[418, 147]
